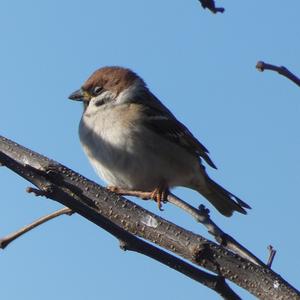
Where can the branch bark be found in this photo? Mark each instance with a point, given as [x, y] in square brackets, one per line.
[201, 215]
[124, 219]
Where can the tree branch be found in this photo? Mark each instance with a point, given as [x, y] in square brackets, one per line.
[210, 4]
[123, 219]
[201, 215]
[261, 66]
[272, 253]
[216, 283]
[5, 241]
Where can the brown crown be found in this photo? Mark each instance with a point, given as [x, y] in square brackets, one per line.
[114, 79]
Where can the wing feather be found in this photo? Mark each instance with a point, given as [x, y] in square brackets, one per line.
[159, 119]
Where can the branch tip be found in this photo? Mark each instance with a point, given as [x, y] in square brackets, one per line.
[38, 192]
[123, 245]
[262, 66]
[3, 243]
[272, 253]
[204, 210]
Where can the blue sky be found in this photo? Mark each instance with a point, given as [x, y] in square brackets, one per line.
[202, 66]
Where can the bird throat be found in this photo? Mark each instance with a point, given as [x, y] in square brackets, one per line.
[85, 105]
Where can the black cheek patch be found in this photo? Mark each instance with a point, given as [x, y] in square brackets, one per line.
[99, 103]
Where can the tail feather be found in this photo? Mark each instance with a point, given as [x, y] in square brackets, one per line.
[224, 201]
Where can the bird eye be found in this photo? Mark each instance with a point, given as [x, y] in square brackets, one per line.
[97, 90]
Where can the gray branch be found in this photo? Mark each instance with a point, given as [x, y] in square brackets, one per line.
[129, 222]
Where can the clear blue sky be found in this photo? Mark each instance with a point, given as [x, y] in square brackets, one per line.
[202, 66]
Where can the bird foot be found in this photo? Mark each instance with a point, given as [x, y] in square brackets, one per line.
[159, 194]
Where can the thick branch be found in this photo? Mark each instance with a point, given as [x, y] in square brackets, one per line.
[121, 217]
[201, 215]
[216, 283]
[261, 66]
[128, 242]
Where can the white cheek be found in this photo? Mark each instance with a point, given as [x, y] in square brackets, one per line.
[131, 92]
[105, 95]
[94, 109]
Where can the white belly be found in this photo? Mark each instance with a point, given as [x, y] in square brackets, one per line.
[131, 158]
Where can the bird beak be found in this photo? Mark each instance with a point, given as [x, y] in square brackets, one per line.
[80, 95]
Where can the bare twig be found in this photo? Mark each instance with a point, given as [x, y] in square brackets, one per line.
[36, 192]
[272, 253]
[5, 241]
[261, 66]
[210, 4]
[202, 216]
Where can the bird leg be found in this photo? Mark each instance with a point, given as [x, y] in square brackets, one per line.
[159, 194]
[125, 192]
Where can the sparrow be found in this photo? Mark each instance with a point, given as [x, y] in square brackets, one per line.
[136, 144]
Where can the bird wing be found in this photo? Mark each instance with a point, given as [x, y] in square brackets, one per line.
[159, 119]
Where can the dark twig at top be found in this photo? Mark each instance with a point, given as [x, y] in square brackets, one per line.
[262, 66]
[210, 4]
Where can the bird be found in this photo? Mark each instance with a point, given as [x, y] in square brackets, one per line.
[136, 144]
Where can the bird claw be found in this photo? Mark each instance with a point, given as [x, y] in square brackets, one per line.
[160, 195]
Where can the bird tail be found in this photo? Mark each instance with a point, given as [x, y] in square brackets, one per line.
[225, 202]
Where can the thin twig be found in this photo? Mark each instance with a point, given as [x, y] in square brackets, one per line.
[261, 66]
[271, 256]
[36, 192]
[202, 216]
[210, 4]
[5, 241]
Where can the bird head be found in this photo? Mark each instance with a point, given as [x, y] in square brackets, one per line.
[105, 85]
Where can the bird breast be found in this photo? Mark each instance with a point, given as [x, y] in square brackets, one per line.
[126, 154]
